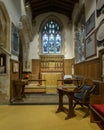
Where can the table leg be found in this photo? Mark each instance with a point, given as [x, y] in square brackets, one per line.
[18, 93]
[22, 93]
[70, 110]
[60, 107]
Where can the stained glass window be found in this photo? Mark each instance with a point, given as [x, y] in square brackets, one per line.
[51, 38]
[80, 41]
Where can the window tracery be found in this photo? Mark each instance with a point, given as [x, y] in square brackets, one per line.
[51, 38]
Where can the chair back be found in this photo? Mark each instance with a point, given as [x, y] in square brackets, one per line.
[83, 97]
[84, 94]
[85, 91]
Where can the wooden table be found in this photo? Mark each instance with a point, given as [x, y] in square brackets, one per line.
[70, 94]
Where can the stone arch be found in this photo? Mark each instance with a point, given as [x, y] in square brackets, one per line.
[51, 17]
[5, 49]
[4, 27]
[26, 37]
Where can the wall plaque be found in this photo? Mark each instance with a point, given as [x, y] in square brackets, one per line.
[90, 46]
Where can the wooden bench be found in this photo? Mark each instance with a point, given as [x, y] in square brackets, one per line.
[97, 105]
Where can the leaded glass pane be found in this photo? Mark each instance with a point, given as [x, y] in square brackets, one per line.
[51, 38]
[45, 43]
[51, 44]
[58, 43]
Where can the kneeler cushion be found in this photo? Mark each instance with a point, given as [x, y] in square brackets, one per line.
[99, 108]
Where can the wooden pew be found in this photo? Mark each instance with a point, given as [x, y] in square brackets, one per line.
[97, 105]
[96, 116]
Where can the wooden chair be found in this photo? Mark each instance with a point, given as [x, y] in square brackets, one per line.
[83, 96]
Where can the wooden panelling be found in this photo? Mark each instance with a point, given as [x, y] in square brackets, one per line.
[51, 78]
[51, 63]
[89, 69]
[68, 66]
[13, 76]
[35, 68]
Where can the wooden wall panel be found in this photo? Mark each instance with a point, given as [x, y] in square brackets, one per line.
[89, 69]
[68, 66]
[35, 68]
[52, 63]
[13, 76]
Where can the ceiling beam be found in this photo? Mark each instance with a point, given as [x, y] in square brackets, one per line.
[59, 6]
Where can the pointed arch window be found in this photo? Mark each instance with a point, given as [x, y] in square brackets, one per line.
[51, 38]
